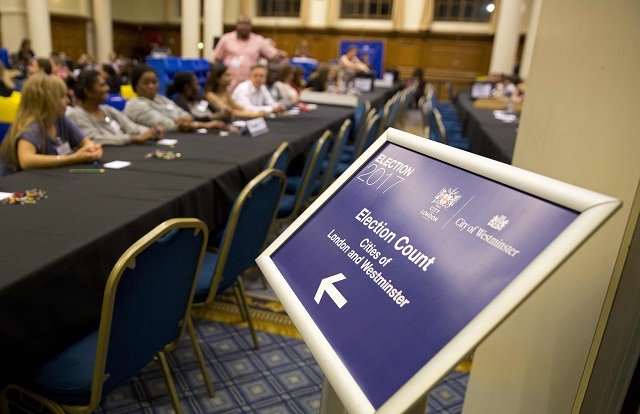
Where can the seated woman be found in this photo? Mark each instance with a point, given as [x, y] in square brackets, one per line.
[40, 136]
[111, 77]
[219, 97]
[282, 90]
[105, 124]
[187, 96]
[324, 78]
[152, 109]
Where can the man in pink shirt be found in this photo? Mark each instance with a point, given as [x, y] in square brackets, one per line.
[241, 49]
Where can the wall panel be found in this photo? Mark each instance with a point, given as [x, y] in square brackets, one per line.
[136, 40]
[69, 35]
[444, 58]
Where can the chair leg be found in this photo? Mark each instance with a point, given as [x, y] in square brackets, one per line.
[12, 393]
[200, 357]
[166, 371]
[245, 309]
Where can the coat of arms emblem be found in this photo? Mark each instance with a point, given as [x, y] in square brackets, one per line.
[447, 197]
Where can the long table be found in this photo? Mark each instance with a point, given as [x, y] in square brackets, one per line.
[56, 254]
[489, 137]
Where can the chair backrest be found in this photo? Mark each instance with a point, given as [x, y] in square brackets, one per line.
[360, 117]
[146, 300]
[116, 101]
[394, 109]
[384, 116]
[425, 109]
[127, 92]
[336, 153]
[437, 131]
[361, 145]
[247, 228]
[311, 171]
[370, 135]
[279, 160]
[9, 107]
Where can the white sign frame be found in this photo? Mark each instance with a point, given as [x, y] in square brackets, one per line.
[593, 209]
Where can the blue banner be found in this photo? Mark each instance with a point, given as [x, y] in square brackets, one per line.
[370, 52]
[405, 255]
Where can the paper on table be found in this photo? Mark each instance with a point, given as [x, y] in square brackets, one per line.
[167, 141]
[505, 116]
[116, 165]
[5, 195]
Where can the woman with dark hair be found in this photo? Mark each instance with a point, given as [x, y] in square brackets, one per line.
[324, 78]
[39, 65]
[152, 109]
[111, 77]
[284, 92]
[105, 124]
[187, 96]
[41, 136]
[23, 56]
[218, 96]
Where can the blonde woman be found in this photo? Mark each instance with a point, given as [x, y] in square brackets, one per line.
[41, 136]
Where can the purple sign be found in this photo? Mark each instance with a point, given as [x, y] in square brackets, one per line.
[405, 255]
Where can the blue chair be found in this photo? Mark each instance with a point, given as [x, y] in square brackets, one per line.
[145, 311]
[116, 101]
[243, 240]
[368, 136]
[359, 123]
[337, 153]
[279, 160]
[394, 110]
[292, 204]
[4, 128]
[371, 134]
[384, 116]
[438, 132]
[4, 57]
[405, 101]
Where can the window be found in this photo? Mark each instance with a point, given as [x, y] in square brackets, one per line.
[366, 9]
[463, 10]
[278, 8]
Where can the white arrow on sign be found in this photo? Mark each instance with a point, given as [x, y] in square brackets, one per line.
[326, 285]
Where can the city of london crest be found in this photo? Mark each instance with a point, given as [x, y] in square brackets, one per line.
[447, 197]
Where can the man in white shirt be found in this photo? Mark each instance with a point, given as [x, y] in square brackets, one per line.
[253, 95]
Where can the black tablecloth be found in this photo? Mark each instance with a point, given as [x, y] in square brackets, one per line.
[57, 253]
[489, 137]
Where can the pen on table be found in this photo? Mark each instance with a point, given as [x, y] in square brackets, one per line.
[86, 170]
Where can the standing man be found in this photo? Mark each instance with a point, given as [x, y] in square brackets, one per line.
[253, 95]
[241, 49]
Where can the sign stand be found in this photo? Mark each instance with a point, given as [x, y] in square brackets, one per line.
[330, 402]
[411, 258]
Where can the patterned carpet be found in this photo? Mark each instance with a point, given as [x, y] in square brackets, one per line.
[281, 378]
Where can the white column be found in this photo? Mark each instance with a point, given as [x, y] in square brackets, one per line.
[505, 41]
[39, 26]
[581, 130]
[530, 40]
[103, 28]
[213, 25]
[190, 28]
